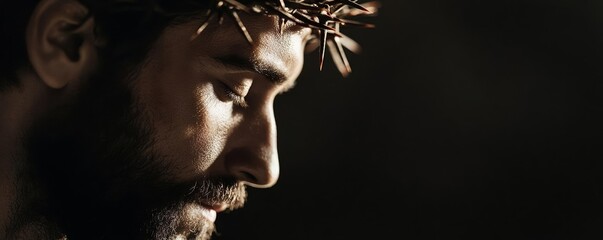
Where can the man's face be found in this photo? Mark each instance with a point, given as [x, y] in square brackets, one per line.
[210, 102]
[198, 127]
[210, 99]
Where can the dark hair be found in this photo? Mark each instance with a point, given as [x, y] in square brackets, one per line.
[131, 26]
[13, 21]
[128, 27]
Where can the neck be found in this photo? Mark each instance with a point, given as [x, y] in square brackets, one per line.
[18, 107]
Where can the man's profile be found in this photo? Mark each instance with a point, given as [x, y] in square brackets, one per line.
[128, 119]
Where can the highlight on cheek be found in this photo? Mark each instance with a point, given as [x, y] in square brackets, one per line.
[206, 95]
[213, 104]
[189, 132]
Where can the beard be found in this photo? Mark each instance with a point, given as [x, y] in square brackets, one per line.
[99, 176]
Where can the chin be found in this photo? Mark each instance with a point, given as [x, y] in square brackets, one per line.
[186, 221]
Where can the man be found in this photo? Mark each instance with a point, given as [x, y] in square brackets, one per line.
[144, 119]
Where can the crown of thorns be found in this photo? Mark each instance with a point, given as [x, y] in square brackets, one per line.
[325, 17]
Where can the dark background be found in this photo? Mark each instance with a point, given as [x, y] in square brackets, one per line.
[461, 120]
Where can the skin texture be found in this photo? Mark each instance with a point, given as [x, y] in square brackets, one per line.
[197, 128]
[96, 151]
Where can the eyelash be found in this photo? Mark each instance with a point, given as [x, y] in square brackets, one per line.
[234, 97]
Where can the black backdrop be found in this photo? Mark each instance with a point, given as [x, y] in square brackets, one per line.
[462, 119]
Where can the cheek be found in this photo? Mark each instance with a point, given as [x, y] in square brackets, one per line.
[209, 131]
[190, 124]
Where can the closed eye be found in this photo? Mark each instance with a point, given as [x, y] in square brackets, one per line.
[236, 98]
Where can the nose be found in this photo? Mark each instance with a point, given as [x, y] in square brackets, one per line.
[254, 159]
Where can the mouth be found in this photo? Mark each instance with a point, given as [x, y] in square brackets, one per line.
[210, 211]
[207, 212]
[212, 197]
[194, 220]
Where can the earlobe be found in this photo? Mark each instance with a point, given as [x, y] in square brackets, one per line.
[61, 42]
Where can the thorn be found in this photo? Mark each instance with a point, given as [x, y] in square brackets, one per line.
[205, 23]
[323, 45]
[241, 26]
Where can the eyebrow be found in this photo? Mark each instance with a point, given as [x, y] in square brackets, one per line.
[269, 71]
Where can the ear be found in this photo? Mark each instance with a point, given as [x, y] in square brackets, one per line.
[61, 42]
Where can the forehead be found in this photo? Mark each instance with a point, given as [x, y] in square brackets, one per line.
[323, 17]
[275, 55]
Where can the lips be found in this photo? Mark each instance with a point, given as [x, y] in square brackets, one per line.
[200, 210]
[194, 220]
[216, 207]
[210, 211]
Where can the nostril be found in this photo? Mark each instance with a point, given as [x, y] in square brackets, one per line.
[249, 177]
[256, 169]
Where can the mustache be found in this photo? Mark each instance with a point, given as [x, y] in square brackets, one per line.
[218, 191]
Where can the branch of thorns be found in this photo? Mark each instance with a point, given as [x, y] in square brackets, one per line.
[325, 17]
